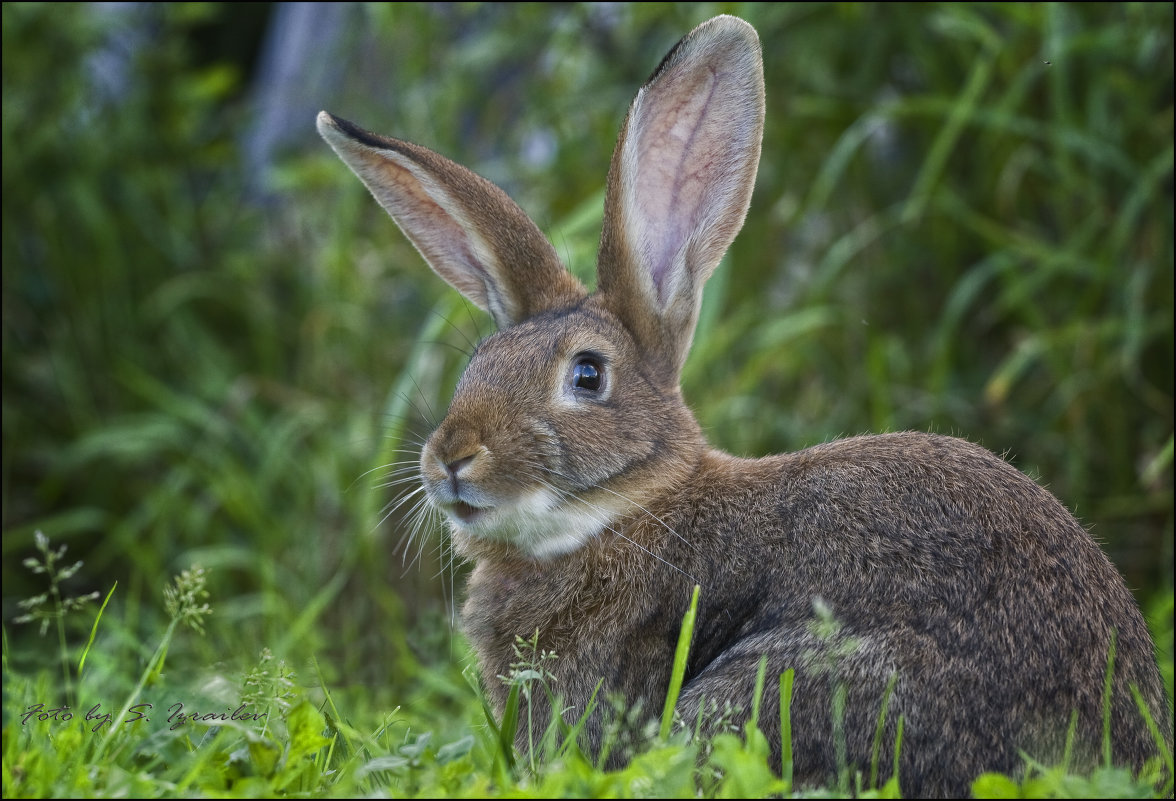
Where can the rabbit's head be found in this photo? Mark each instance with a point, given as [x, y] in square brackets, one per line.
[570, 416]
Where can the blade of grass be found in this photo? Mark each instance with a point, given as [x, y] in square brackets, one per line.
[786, 680]
[879, 728]
[962, 110]
[758, 695]
[1107, 700]
[679, 669]
[1161, 743]
[94, 630]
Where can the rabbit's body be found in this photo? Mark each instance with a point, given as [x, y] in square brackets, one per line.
[573, 474]
[984, 614]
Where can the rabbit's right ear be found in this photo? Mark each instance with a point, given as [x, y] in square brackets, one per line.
[680, 184]
[468, 230]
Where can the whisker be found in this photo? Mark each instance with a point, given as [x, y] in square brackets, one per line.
[443, 344]
[473, 320]
[404, 465]
[427, 415]
[419, 514]
[458, 329]
[397, 479]
[400, 502]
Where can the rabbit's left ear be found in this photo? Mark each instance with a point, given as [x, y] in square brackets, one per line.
[680, 183]
[468, 230]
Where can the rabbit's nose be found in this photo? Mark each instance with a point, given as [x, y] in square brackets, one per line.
[457, 464]
[454, 467]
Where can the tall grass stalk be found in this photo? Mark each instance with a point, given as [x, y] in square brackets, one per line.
[94, 630]
[786, 680]
[681, 654]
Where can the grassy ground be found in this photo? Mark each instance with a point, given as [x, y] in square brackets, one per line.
[963, 223]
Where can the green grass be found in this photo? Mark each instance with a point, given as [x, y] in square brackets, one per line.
[963, 223]
[264, 733]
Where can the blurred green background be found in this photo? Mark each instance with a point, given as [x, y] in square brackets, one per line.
[217, 349]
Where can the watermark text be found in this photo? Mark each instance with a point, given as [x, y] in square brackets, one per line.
[95, 719]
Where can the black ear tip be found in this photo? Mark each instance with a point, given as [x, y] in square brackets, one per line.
[328, 122]
[737, 31]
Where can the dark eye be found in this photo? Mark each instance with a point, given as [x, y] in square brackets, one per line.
[587, 374]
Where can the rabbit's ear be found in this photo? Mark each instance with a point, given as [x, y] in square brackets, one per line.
[680, 183]
[468, 230]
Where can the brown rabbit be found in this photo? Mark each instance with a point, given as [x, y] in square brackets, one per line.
[575, 477]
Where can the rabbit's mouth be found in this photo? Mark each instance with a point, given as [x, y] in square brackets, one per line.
[467, 514]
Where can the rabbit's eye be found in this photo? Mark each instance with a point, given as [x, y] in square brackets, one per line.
[587, 374]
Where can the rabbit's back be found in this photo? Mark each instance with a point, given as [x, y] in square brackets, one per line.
[923, 557]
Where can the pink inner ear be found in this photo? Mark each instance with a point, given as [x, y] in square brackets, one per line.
[441, 239]
[679, 144]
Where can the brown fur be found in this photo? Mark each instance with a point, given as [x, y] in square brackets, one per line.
[591, 511]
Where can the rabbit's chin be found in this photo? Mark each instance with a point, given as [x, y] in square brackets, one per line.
[537, 524]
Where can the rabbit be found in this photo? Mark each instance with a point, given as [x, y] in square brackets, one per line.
[572, 474]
